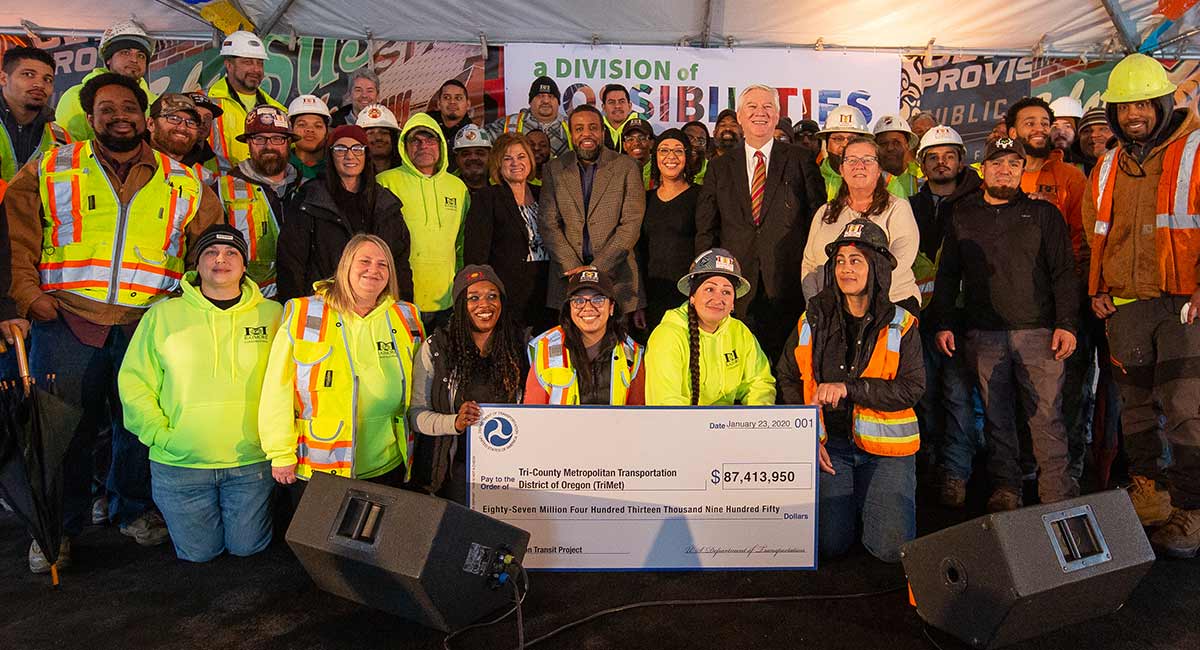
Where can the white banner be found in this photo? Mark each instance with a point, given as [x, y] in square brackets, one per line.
[670, 86]
[625, 488]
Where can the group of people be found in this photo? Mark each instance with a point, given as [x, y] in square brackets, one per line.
[241, 295]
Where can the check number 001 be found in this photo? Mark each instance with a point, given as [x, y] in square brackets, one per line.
[763, 476]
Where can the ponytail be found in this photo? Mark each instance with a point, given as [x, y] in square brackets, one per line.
[694, 352]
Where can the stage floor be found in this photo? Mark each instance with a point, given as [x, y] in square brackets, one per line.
[119, 595]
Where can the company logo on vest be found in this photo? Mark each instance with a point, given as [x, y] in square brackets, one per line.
[255, 335]
[385, 349]
[498, 432]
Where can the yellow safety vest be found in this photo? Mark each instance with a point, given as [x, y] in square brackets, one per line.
[883, 433]
[53, 136]
[94, 246]
[515, 123]
[232, 122]
[614, 132]
[248, 210]
[551, 362]
[324, 361]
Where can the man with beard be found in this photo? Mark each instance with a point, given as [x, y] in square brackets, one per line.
[26, 122]
[1011, 255]
[1140, 210]
[1067, 113]
[697, 134]
[603, 234]
[202, 159]
[758, 202]
[257, 192]
[363, 90]
[453, 103]
[539, 144]
[383, 132]
[947, 410]
[309, 117]
[85, 296]
[543, 113]
[238, 92]
[614, 101]
[125, 49]
[727, 133]
[896, 143]
[174, 128]
[471, 148]
[1092, 141]
[637, 140]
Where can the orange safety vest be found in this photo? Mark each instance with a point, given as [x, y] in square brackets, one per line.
[883, 433]
[1177, 220]
[551, 363]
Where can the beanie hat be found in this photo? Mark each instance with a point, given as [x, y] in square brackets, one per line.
[221, 233]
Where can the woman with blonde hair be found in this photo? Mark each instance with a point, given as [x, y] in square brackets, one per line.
[337, 385]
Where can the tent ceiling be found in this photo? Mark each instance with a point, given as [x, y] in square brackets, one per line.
[1001, 26]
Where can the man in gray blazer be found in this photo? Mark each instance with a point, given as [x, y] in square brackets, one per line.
[592, 205]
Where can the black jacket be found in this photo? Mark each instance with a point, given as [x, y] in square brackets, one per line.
[833, 343]
[1015, 266]
[315, 232]
[933, 216]
[774, 249]
[495, 234]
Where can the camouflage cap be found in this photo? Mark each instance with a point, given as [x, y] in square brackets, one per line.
[172, 103]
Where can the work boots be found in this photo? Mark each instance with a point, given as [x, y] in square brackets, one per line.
[1180, 536]
[1151, 503]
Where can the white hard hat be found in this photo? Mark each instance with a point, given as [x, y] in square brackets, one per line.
[1066, 107]
[308, 105]
[377, 115]
[937, 136]
[127, 34]
[894, 123]
[845, 119]
[245, 45]
[471, 136]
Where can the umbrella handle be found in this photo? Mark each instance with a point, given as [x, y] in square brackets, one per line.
[22, 357]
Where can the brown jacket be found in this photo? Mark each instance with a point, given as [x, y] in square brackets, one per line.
[1129, 263]
[23, 205]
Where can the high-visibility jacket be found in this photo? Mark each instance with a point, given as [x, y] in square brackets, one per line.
[99, 248]
[925, 273]
[232, 122]
[69, 113]
[551, 364]
[248, 209]
[883, 433]
[1177, 232]
[897, 185]
[614, 140]
[337, 389]
[515, 123]
[53, 136]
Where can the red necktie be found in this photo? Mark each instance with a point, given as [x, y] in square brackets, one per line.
[757, 185]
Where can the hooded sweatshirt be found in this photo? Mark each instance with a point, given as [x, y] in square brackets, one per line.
[191, 379]
[435, 208]
[70, 114]
[733, 367]
[842, 347]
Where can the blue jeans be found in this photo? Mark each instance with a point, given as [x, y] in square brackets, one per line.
[876, 493]
[209, 511]
[86, 377]
[949, 407]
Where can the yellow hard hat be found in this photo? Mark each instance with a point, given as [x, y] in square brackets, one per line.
[1135, 78]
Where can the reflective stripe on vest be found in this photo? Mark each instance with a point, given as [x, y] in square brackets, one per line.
[883, 433]
[1177, 224]
[243, 202]
[52, 135]
[310, 322]
[151, 250]
[550, 359]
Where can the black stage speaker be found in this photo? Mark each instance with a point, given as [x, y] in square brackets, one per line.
[1014, 575]
[416, 556]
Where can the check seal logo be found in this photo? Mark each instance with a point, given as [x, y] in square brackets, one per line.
[498, 432]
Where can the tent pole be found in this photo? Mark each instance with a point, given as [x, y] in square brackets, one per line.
[276, 16]
[1126, 29]
[706, 28]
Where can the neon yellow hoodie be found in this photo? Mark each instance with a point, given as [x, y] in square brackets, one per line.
[435, 208]
[733, 367]
[191, 378]
[70, 115]
[356, 398]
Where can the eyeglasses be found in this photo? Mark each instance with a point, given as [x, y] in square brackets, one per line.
[263, 140]
[176, 121]
[860, 161]
[840, 138]
[597, 301]
[342, 150]
[698, 139]
[678, 152]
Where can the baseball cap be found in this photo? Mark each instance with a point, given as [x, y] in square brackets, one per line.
[1001, 146]
[172, 103]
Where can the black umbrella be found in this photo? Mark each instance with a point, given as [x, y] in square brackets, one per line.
[35, 429]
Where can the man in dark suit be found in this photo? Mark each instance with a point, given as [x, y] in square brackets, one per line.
[758, 202]
[592, 205]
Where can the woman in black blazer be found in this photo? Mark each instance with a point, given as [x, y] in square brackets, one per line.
[502, 231]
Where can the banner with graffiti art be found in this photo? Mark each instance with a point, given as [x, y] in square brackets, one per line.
[671, 86]
[410, 72]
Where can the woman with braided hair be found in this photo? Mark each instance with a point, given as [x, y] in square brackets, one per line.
[701, 355]
[475, 358]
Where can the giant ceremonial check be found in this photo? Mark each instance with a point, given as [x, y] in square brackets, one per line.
[651, 488]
